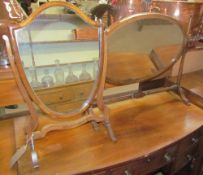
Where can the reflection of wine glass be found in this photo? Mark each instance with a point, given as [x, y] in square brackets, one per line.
[84, 74]
[47, 80]
[59, 73]
[34, 81]
[71, 77]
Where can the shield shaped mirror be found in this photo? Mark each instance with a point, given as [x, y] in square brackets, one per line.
[142, 47]
[59, 58]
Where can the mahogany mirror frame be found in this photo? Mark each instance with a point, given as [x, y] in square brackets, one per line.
[29, 90]
[83, 115]
[133, 18]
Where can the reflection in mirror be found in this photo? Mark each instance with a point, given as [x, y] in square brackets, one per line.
[60, 53]
[141, 49]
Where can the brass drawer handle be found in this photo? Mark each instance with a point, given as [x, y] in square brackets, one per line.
[149, 160]
[189, 157]
[195, 140]
[167, 157]
[127, 172]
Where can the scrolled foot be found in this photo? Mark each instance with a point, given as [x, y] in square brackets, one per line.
[110, 131]
[34, 156]
[183, 97]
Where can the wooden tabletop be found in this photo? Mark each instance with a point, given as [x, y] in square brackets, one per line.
[142, 126]
[123, 66]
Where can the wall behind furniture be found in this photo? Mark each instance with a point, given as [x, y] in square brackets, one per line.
[193, 62]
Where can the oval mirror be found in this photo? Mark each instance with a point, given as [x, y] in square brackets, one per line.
[59, 58]
[142, 47]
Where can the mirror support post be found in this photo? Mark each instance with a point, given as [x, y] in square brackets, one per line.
[179, 77]
[100, 101]
[33, 120]
[30, 98]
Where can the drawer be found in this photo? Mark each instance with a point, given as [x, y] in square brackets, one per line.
[123, 170]
[184, 158]
[56, 95]
[188, 148]
[66, 93]
[64, 107]
[190, 142]
[83, 91]
[148, 163]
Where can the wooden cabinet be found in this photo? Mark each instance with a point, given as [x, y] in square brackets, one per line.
[10, 93]
[170, 160]
[187, 151]
[148, 163]
[69, 96]
[155, 133]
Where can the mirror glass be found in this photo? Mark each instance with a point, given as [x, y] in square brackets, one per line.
[60, 57]
[139, 49]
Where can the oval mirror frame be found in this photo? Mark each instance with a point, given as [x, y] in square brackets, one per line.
[30, 91]
[136, 18]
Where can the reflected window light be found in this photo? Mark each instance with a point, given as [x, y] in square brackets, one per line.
[131, 2]
[177, 12]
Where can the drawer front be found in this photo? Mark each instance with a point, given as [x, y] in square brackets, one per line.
[65, 94]
[187, 150]
[123, 170]
[184, 158]
[83, 91]
[56, 95]
[190, 142]
[148, 163]
[64, 107]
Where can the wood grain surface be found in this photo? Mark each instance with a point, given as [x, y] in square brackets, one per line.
[7, 147]
[142, 126]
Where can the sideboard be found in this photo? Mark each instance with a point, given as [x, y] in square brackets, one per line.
[156, 133]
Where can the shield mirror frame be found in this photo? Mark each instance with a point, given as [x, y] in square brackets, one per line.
[21, 71]
[83, 115]
[134, 18]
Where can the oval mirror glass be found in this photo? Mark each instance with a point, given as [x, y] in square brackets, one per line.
[59, 52]
[141, 47]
